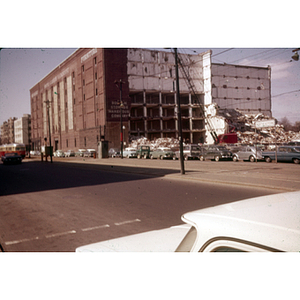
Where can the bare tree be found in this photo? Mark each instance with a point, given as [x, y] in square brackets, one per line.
[297, 126]
[286, 124]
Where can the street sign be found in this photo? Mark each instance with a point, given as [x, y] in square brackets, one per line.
[265, 123]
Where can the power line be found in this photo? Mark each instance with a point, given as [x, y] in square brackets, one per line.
[286, 93]
[222, 52]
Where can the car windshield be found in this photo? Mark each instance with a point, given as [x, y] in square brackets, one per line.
[188, 241]
[11, 154]
[195, 148]
[222, 148]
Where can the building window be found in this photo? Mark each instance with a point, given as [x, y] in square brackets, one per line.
[83, 97]
[96, 91]
[83, 82]
[95, 76]
[95, 60]
[67, 143]
[82, 68]
[85, 142]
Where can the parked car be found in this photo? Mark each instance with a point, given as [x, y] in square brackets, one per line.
[80, 152]
[129, 153]
[11, 158]
[261, 224]
[191, 151]
[249, 153]
[215, 152]
[59, 153]
[35, 153]
[162, 153]
[143, 152]
[69, 153]
[114, 152]
[284, 154]
[89, 153]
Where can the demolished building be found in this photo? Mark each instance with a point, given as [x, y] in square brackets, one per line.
[234, 121]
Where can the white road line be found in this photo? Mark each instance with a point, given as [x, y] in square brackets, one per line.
[95, 227]
[69, 232]
[60, 233]
[21, 241]
[126, 222]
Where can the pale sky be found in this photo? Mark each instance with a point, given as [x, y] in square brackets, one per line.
[37, 37]
[21, 69]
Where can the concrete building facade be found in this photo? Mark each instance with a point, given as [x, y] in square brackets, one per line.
[86, 98]
[22, 130]
[245, 88]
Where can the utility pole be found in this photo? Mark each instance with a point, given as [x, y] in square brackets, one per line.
[179, 114]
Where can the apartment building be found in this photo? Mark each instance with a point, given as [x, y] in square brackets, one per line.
[7, 131]
[22, 130]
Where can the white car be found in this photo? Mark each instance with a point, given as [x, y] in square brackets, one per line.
[129, 152]
[69, 153]
[89, 153]
[59, 153]
[268, 223]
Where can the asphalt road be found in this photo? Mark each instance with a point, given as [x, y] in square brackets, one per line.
[72, 202]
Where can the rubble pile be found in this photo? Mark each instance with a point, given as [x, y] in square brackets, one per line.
[272, 135]
[242, 124]
[268, 136]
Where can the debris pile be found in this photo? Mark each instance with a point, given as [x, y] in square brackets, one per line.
[242, 124]
[268, 136]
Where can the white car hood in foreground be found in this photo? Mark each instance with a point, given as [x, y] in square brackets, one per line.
[164, 240]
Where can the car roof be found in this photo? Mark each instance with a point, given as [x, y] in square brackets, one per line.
[273, 221]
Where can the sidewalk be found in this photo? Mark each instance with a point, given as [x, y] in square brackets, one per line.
[281, 176]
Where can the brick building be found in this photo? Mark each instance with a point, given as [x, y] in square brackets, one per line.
[84, 100]
[84, 94]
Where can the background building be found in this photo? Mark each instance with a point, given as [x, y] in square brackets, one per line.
[22, 130]
[86, 97]
[7, 131]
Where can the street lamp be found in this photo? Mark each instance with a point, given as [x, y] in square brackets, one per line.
[124, 143]
[119, 85]
[48, 106]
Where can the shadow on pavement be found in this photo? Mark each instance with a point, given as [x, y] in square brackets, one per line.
[36, 176]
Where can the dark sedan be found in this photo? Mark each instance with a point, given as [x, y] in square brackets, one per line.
[11, 158]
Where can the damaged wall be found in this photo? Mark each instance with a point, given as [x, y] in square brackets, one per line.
[245, 88]
[155, 71]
